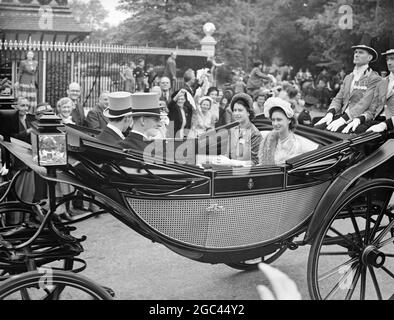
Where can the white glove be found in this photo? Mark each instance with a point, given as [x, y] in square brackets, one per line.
[352, 126]
[378, 127]
[282, 286]
[326, 119]
[333, 126]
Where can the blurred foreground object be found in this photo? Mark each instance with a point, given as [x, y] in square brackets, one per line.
[283, 287]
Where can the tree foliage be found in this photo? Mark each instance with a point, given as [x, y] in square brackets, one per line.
[301, 33]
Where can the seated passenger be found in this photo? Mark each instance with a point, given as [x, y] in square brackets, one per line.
[119, 117]
[146, 121]
[281, 143]
[244, 139]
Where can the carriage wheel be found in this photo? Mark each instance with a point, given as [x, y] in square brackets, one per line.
[251, 265]
[352, 255]
[36, 285]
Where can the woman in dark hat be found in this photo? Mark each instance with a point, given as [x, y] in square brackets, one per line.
[244, 139]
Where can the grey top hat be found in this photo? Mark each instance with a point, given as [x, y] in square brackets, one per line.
[119, 105]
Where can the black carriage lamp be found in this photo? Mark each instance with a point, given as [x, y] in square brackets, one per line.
[49, 144]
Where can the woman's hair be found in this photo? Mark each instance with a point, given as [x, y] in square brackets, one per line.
[257, 63]
[292, 92]
[244, 100]
[212, 89]
[293, 123]
[62, 102]
[206, 99]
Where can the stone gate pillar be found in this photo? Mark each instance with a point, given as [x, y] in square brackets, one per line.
[208, 43]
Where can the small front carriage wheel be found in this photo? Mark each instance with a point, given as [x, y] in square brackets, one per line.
[35, 285]
[352, 255]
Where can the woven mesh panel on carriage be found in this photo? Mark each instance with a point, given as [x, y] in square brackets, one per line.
[245, 220]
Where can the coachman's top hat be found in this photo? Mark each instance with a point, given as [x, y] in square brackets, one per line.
[119, 105]
[372, 51]
[145, 104]
[388, 52]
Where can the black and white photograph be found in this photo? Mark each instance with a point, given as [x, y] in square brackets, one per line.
[196, 156]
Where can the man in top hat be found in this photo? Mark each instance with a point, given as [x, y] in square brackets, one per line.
[146, 121]
[119, 117]
[379, 115]
[356, 91]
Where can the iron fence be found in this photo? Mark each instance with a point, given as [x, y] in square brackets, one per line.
[96, 67]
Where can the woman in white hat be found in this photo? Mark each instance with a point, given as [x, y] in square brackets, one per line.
[281, 143]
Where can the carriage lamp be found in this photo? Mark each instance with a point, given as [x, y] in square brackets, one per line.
[49, 144]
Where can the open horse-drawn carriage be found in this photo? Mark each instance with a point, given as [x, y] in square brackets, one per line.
[337, 196]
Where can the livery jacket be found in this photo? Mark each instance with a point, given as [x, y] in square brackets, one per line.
[353, 104]
[379, 101]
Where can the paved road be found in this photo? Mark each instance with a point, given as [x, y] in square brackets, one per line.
[136, 268]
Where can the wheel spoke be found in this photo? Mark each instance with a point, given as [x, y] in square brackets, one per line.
[343, 237]
[368, 219]
[384, 232]
[385, 242]
[375, 282]
[353, 285]
[380, 217]
[25, 294]
[337, 269]
[355, 226]
[363, 282]
[347, 253]
[388, 272]
[341, 282]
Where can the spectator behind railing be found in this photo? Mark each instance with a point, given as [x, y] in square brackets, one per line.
[203, 119]
[95, 118]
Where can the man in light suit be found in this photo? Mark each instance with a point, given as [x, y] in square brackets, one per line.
[382, 107]
[356, 92]
[119, 115]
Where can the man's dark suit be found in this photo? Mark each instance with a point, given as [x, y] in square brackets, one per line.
[109, 136]
[95, 118]
[78, 115]
[135, 141]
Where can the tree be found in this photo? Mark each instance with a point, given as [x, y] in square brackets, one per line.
[90, 14]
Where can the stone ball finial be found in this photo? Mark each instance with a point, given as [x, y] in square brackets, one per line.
[209, 28]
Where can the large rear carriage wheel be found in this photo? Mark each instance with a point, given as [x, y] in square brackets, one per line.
[352, 255]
